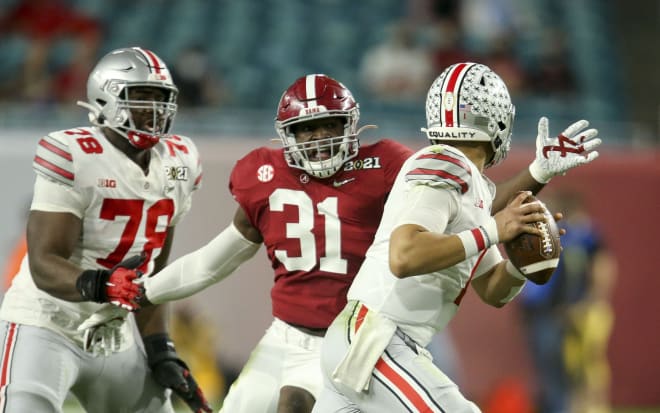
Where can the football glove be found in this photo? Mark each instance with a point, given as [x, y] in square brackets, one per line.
[113, 286]
[171, 372]
[102, 330]
[555, 156]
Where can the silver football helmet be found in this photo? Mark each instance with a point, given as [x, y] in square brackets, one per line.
[108, 95]
[470, 102]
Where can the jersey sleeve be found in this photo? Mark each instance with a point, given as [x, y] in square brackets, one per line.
[194, 162]
[397, 155]
[431, 208]
[53, 160]
[241, 183]
[189, 156]
[52, 196]
[440, 166]
[196, 167]
[54, 186]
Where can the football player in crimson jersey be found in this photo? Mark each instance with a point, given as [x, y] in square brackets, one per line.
[315, 204]
[106, 200]
[437, 236]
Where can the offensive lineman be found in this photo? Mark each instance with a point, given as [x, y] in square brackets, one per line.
[315, 205]
[106, 200]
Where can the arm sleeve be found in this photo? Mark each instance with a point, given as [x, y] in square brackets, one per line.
[186, 204]
[199, 269]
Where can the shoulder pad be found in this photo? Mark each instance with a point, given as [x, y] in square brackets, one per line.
[184, 149]
[53, 159]
[442, 167]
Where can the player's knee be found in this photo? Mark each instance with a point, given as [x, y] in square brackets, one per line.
[295, 400]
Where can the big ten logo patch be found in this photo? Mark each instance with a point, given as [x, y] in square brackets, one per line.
[176, 173]
[106, 183]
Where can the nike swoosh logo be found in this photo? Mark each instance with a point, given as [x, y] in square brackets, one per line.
[340, 183]
[125, 69]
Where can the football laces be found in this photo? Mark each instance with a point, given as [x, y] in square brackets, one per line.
[546, 240]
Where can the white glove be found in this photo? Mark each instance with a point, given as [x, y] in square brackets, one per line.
[555, 156]
[102, 330]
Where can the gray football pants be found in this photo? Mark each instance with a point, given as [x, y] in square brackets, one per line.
[39, 367]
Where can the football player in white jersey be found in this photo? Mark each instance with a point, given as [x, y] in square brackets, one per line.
[436, 238]
[106, 200]
[302, 205]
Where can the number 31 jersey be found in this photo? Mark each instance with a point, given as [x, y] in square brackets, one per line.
[316, 231]
[124, 212]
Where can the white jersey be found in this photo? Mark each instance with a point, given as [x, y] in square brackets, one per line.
[124, 213]
[422, 305]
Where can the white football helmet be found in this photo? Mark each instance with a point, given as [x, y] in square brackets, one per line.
[313, 97]
[107, 95]
[470, 102]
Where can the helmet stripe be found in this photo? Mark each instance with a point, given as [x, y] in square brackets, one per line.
[155, 63]
[310, 91]
[449, 97]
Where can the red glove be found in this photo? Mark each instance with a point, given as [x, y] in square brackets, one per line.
[113, 286]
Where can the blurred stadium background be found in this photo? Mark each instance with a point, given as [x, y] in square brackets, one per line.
[565, 59]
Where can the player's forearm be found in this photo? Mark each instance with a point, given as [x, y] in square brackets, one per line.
[52, 238]
[415, 251]
[523, 181]
[500, 285]
[199, 269]
[152, 319]
[57, 276]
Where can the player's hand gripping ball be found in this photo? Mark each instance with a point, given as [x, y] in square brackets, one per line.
[536, 257]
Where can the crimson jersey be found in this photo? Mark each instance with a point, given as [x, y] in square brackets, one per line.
[316, 231]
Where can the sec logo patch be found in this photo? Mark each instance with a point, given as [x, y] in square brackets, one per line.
[265, 173]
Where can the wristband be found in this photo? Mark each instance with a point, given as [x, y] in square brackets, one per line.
[159, 347]
[478, 239]
[91, 285]
[537, 172]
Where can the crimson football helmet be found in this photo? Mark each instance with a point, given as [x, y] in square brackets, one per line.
[311, 97]
[108, 98]
[470, 102]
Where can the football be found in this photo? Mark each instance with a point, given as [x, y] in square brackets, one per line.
[536, 257]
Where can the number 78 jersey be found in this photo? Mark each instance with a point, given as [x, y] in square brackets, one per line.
[124, 211]
[316, 231]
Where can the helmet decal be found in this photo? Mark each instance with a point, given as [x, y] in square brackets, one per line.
[449, 88]
[157, 67]
[469, 102]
